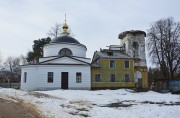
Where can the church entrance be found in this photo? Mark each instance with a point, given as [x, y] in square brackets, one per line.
[64, 80]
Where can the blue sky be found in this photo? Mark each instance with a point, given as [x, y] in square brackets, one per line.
[95, 23]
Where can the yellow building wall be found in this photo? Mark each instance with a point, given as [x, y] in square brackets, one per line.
[144, 73]
[145, 79]
[105, 72]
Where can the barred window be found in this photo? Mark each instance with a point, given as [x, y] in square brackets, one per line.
[50, 77]
[78, 77]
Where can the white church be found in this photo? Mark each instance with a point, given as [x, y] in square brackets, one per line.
[63, 66]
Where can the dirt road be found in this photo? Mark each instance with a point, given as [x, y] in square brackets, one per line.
[9, 109]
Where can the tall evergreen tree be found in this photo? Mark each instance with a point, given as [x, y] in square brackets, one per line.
[37, 49]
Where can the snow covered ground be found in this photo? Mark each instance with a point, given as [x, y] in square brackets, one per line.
[124, 103]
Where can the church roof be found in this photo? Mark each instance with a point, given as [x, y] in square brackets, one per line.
[106, 55]
[65, 39]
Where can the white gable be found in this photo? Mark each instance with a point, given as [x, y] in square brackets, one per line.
[64, 60]
[88, 60]
[45, 59]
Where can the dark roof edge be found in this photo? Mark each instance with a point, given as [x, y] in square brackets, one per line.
[67, 43]
[94, 57]
[134, 32]
[71, 56]
[116, 58]
[113, 58]
[51, 64]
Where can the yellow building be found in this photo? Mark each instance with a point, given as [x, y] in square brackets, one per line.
[121, 66]
[112, 69]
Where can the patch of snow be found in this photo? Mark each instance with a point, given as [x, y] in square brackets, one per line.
[84, 103]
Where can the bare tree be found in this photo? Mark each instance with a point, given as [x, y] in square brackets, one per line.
[4, 74]
[12, 64]
[55, 31]
[23, 60]
[163, 44]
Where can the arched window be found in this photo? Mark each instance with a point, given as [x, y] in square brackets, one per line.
[65, 52]
[124, 46]
[138, 79]
[136, 49]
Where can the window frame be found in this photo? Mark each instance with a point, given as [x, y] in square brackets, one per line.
[111, 79]
[97, 77]
[65, 52]
[125, 64]
[50, 78]
[78, 77]
[25, 77]
[125, 77]
[110, 63]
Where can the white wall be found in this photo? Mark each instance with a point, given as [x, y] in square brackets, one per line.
[31, 79]
[42, 79]
[39, 81]
[53, 49]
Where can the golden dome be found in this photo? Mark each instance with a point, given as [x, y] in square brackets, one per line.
[65, 26]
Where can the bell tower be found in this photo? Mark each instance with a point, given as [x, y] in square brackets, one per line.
[134, 43]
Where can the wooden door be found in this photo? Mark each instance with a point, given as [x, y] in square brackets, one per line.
[64, 80]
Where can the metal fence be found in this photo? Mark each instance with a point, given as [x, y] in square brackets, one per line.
[10, 85]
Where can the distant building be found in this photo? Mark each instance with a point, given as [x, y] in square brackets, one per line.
[63, 66]
[122, 66]
[112, 69]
